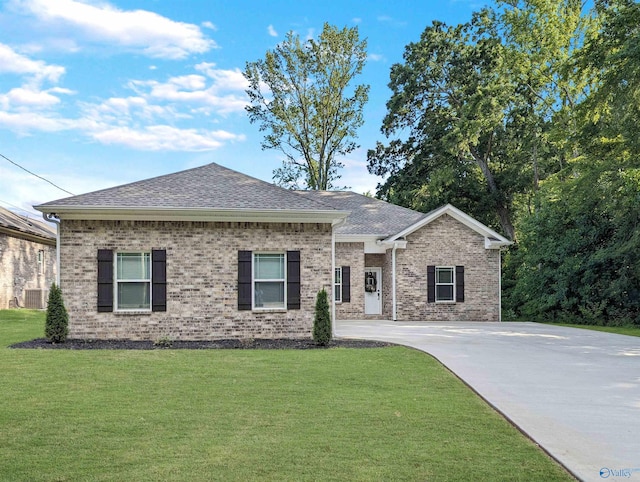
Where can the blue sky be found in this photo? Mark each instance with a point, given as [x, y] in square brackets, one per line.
[95, 94]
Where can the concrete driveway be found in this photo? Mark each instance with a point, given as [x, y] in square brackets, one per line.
[575, 392]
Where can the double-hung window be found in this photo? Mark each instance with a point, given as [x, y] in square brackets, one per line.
[445, 283]
[41, 261]
[133, 281]
[269, 280]
[337, 283]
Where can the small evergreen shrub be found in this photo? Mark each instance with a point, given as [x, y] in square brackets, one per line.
[56, 326]
[322, 320]
[163, 342]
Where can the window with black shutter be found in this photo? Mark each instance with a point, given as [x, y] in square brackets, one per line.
[346, 284]
[445, 284]
[158, 280]
[105, 280]
[268, 280]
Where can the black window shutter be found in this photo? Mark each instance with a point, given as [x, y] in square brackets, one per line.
[105, 280]
[346, 284]
[459, 284]
[293, 280]
[244, 280]
[431, 284]
[159, 280]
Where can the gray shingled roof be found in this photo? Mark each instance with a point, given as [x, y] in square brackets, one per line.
[368, 216]
[207, 187]
[22, 224]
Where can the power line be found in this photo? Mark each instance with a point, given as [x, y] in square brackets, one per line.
[34, 174]
[14, 206]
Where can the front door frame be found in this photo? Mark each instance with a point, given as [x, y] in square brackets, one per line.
[374, 308]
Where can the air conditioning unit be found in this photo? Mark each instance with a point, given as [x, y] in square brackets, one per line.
[35, 299]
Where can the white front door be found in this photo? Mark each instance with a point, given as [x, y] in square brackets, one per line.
[373, 291]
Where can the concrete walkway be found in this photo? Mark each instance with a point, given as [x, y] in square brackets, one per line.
[575, 392]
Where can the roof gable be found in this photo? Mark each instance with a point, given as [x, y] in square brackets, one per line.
[493, 240]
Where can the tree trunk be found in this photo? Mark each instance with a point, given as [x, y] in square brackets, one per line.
[504, 213]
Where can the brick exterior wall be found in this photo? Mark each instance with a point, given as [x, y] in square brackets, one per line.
[447, 242]
[20, 270]
[202, 278]
[352, 255]
[443, 242]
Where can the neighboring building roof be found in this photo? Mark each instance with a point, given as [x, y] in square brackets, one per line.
[368, 216]
[207, 192]
[27, 228]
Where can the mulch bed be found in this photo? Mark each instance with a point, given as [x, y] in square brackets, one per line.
[234, 344]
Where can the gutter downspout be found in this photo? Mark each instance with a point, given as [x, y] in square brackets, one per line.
[52, 218]
[393, 281]
[500, 285]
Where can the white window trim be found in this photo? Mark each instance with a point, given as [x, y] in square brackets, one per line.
[337, 286]
[41, 261]
[116, 281]
[452, 284]
[268, 280]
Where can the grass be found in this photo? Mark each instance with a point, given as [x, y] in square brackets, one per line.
[620, 330]
[338, 414]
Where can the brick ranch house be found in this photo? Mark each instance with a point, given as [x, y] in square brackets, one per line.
[211, 253]
[27, 261]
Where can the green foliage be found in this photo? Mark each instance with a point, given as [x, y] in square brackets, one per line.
[163, 342]
[299, 94]
[579, 254]
[526, 117]
[322, 319]
[57, 320]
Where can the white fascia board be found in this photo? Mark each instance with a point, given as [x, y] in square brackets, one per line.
[371, 242]
[195, 214]
[495, 244]
[458, 215]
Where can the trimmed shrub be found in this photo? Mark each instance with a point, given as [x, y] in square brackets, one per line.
[56, 326]
[322, 320]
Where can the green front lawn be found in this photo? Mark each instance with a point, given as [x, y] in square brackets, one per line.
[339, 414]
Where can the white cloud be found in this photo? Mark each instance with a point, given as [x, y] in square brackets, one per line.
[209, 25]
[221, 96]
[166, 138]
[140, 30]
[12, 62]
[375, 57]
[311, 32]
[272, 31]
[224, 79]
[21, 97]
[25, 122]
[356, 176]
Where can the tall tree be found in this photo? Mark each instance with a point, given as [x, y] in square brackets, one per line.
[579, 252]
[451, 99]
[300, 94]
[487, 108]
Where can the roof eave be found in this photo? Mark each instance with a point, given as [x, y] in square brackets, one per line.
[129, 213]
[17, 233]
